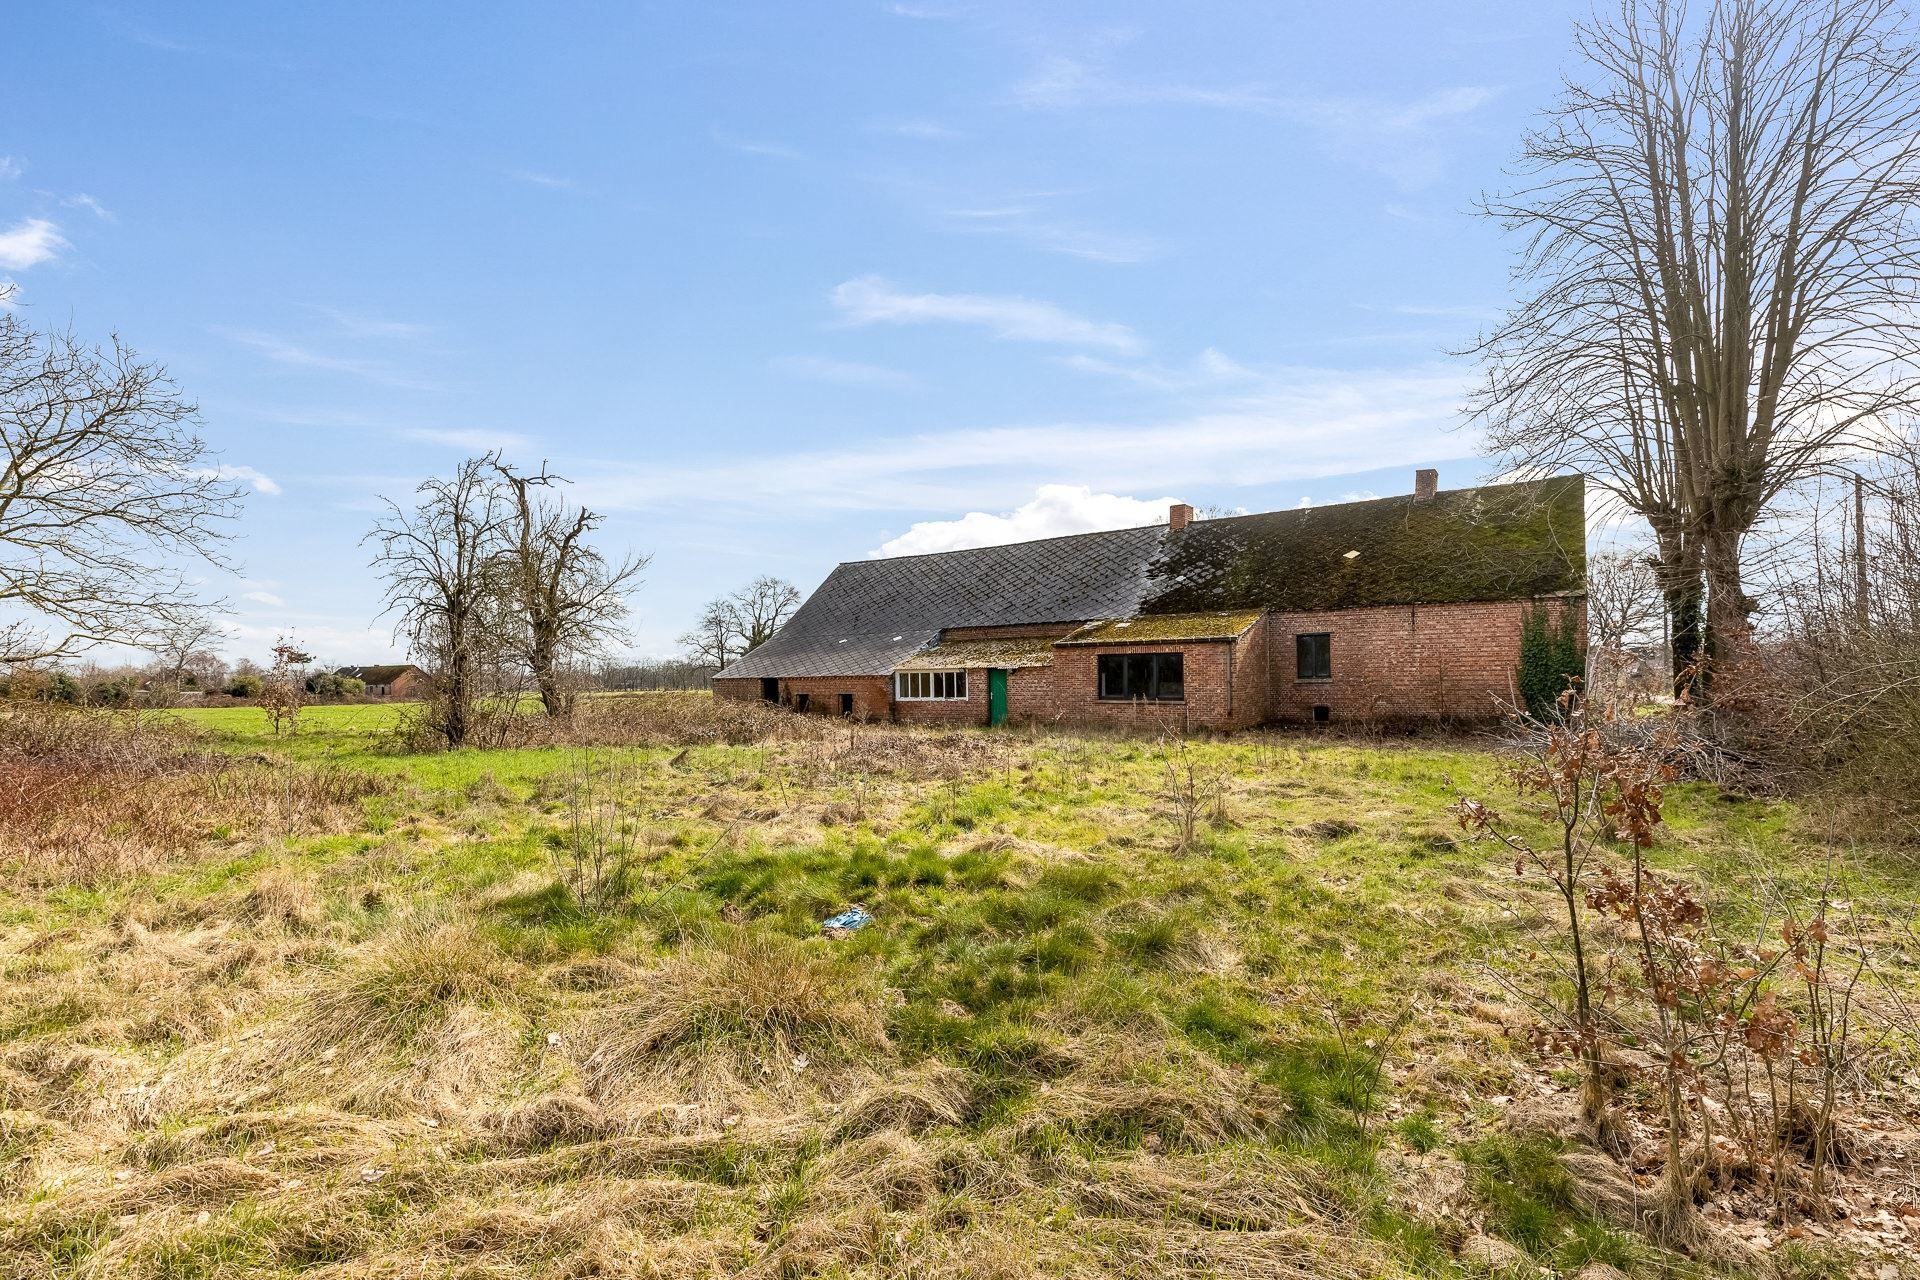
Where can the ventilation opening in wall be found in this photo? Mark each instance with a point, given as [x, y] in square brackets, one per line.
[1322, 714]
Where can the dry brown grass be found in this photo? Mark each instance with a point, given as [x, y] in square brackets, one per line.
[88, 796]
[743, 1009]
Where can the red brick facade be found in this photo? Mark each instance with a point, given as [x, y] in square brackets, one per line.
[1397, 663]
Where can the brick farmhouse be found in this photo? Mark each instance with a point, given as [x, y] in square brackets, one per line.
[1391, 609]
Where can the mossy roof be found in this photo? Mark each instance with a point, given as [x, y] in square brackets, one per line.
[1217, 625]
[953, 655]
[1497, 542]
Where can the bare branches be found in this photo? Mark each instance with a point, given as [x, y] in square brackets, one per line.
[1720, 265]
[571, 599]
[738, 624]
[102, 480]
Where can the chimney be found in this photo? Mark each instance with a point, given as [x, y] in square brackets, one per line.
[1179, 516]
[1425, 482]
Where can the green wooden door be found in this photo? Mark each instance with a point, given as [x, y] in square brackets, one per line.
[996, 697]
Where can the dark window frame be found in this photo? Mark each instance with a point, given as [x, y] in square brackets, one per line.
[1140, 677]
[1313, 655]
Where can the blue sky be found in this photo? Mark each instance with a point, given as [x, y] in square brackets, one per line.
[777, 285]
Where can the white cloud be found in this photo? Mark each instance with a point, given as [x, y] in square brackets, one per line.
[29, 243]
[845, 373]
[470, 439]
[10, 168]
[264, 597]
[756, 147]
[924, 130]
[1211, 368]
[872, 300]
[280, 351]
[551, 181]
[365, 326]
[1054, 510]
[1028, 222]
[81, 200]
[1060, 83]
[1287, 426]
[260, 482]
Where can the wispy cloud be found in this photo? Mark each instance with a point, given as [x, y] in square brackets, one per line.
[1030, 221]
[1292, 425]
[29, 243]
[551, 181]
[757, 147]
[81, 200]
[10, 168]
[1395, 135]
[924, 130]
[1054, 511]
[872, 300]
[1210, 368]
[471, 440]
[258, 481]
[264, 597]
[281, 351]
[845, 373]
[365, 326]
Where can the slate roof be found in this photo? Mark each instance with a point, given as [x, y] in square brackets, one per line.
[1498, 542]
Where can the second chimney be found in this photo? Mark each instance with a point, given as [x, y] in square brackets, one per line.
[1426, 482]
[1179, 516]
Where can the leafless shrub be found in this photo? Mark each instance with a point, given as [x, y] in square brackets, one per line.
[597, 850]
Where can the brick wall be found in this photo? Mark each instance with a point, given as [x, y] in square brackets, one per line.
[872, 695]
[1411, 662]
[1074, 696]
[1405, 662]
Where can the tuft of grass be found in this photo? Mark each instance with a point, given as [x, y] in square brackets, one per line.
[748, 1001]
[406, 980]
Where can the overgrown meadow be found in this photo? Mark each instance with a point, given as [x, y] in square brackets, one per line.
[1126, 1007]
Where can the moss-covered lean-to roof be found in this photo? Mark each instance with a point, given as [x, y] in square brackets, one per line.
[1499, 542]
[960, 655]
[1220, 625]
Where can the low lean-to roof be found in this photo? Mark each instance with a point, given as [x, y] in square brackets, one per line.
[1144, 628]
[1498, 542]
[1027, 651]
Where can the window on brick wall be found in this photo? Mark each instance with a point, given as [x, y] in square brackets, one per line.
[930, 686]
[1142, 677]
[1313, 656]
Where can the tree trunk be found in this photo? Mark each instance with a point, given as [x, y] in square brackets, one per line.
[1681, 587]
[1729, 634]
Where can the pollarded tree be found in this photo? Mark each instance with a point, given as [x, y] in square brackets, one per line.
[1720, 270]
[570, 599]
[103, 481]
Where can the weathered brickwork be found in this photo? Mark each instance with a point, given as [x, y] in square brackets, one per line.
[1399, 663]
[871, 694]
[1404, 662]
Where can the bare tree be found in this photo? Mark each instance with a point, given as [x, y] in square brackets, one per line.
[759, 608]
[443, 570]
[1720, 269]
[571, 600]
[102, 481]
[737, 624]
[181, 648]
[711, 643]
[1623, 597]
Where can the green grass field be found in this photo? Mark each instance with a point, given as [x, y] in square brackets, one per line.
[395, 1041]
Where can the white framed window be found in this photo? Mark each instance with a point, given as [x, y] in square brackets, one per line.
[930, 686]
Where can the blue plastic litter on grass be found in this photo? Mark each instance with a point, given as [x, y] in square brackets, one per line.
[855, 917]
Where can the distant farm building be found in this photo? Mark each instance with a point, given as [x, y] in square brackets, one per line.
[1391, 609]
[400, 680]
